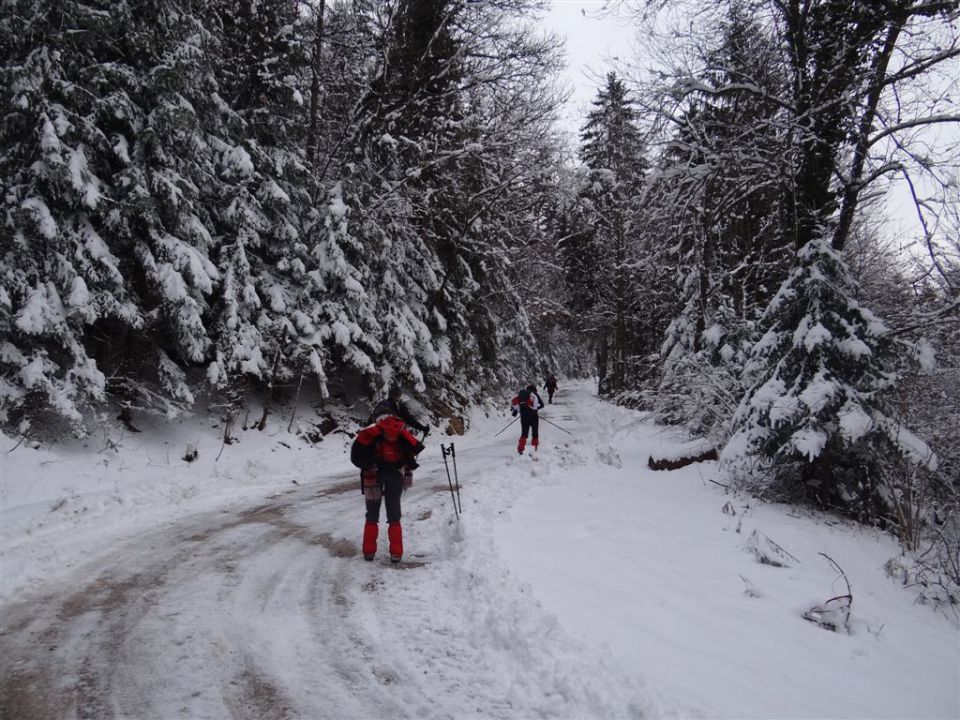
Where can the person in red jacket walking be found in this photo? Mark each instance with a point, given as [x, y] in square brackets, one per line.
[386, 454]
[527, 403]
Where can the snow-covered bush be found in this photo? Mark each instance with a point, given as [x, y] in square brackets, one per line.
[818, 421]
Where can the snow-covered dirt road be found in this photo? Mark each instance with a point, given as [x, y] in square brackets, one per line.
[269, 611]
[578, 583]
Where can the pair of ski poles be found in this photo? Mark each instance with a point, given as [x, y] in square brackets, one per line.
[542, 418]
[452, 452]
[454, 480]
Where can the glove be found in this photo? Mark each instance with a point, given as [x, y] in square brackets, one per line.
[371, 484]
[407, 478]
[513, 411]
[426, 431]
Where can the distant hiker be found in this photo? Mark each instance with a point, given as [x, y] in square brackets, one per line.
[386, 454]
[551, 385]
[527, 403]
[393, 405]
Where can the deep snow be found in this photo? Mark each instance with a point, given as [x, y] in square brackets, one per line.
[577, 583]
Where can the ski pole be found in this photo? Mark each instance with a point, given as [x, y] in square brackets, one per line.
[508, 425]
[445, 452]
[456, 475]
[555, 425]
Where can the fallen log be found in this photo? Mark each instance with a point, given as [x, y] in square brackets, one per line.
[677, 462]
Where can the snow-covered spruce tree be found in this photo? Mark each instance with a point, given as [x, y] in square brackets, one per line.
[820, 405]
[57, 272]
[402, 121]
[575, 240]
[344, 329]
[587, 264]
[612, 148]
[292, 300]
[264, 194]
[539, 263]
[437, 150]
[164, 223]
[818, 411]
[106, 262]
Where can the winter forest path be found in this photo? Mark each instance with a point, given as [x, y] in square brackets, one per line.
[577, 583]
[270, 612]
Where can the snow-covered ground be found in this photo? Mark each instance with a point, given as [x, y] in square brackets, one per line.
[577, 583]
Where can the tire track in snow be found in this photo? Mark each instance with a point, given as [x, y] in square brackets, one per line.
[65, 652]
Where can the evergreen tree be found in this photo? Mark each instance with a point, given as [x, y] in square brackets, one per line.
[825, 356]
[436, 152]
[612, 148]
[398, 133]
[822, 415]
[96, 201]
[177, 218]
[263, 257]
[722, 179]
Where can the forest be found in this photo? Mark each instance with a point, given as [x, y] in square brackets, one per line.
[218, 204]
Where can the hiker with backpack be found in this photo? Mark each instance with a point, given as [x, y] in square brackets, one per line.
[386, 454]
[551, 385]
[393, 405]
[527, 403]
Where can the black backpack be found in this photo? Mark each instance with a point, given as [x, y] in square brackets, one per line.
[364, 456]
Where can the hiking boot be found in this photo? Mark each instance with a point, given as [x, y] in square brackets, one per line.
[395, 532]
[369, 547]
[368, 558]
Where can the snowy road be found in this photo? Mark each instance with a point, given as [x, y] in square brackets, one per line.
[577, 584]
[270, 612]
[181, 620]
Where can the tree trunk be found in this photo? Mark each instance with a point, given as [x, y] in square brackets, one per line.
[851, 192]
[602, 353]
[620, 327]
[268, 396]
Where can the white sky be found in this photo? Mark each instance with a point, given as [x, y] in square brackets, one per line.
[591, 44]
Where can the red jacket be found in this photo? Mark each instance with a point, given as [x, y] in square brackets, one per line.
[388, 445]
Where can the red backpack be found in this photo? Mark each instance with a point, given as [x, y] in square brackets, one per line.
[386, 443]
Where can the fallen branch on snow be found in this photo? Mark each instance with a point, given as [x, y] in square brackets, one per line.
[833, 614]
[675, 463]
